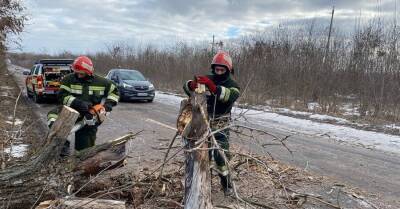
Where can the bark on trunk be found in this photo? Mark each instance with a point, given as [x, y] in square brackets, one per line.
[46, 176]
[21, 186]
[197, 172]
[82, 203]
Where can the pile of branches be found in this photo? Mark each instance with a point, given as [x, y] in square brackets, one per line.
[261, 182]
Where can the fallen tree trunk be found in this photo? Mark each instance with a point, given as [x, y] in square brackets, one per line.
[82, 203]
[46, 176]
[197, 172]
[21, 186]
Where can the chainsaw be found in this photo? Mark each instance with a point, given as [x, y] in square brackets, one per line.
[99, 115]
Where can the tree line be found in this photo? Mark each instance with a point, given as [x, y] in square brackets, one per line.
[284, 66]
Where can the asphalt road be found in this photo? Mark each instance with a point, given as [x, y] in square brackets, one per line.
[370, 170]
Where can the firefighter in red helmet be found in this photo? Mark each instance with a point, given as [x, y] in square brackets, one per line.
[224, 91]
[82, 91]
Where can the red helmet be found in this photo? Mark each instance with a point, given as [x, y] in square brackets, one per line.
[222, 58]
[83, 64]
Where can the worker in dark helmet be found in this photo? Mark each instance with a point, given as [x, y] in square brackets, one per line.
[224, 91]
[91, 95]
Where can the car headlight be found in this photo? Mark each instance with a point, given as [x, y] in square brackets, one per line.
[151, 87]
[126, 85]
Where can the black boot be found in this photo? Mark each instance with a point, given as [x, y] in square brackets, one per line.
[226, 184]
[65, 150]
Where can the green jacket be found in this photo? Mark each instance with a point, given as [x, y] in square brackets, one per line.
[91, 90]
[228, 91]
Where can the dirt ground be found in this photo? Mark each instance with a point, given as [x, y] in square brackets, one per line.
[260, 181]
[24, 135]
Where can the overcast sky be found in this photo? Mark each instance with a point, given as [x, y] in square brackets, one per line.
[84, 26]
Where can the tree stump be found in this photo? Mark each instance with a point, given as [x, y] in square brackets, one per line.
[197, 170]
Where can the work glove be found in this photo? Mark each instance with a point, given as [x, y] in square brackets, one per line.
[208, 82]
[192, 85]
[108, 106]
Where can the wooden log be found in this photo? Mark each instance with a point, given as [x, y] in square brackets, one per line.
[197, 172]
[21, 186]
[82, 203]
[46, 176]
[109, 155]
[184, 117]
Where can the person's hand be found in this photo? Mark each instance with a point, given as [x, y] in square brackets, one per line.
[192, 85]
[108, 107]
[208, 82]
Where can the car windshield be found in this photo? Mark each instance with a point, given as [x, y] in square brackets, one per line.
[131, 75]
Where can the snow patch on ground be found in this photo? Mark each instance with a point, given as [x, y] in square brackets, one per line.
[17, 151]
[306, 115]
[329, 118]
[168, 98]
[17, 122]
[392, 126]
[288, 111]
[350, 110]
[313, 106]
[6, 87]
[367, 139]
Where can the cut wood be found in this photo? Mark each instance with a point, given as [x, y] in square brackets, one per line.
[20, 186]
[82, 203]
[46, 176]
[197, 172]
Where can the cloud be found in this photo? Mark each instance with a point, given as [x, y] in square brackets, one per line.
[86, 25]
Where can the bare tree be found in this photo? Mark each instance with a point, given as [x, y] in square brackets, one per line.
[291, 66]
[12, 20]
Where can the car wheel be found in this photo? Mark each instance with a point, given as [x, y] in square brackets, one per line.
[150, 100]
[37, 98]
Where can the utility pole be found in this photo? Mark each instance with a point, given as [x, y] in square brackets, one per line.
[329, 35]
[395, 25]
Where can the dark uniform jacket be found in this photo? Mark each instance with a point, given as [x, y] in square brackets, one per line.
[228, 92]
[91, 90]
